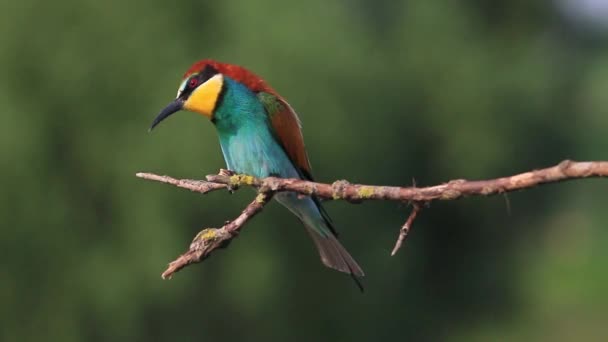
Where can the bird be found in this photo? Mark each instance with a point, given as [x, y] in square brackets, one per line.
[260, 135]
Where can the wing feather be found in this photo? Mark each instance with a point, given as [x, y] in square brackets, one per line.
[288, 131]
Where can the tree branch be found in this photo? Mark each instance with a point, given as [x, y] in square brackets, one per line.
[211, 238]
[405, 229]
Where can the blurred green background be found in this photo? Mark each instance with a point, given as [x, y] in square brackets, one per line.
[388, 92]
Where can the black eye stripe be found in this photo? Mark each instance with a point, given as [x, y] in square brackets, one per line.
[201, 78]
[207, 73]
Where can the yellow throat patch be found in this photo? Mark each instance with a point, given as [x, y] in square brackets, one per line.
[204, 98]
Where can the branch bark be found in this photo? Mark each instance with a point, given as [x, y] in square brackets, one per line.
[212, 238]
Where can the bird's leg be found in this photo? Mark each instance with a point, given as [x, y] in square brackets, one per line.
[226, 172]
[229, 173]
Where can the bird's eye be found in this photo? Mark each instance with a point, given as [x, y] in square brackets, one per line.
[193, 82]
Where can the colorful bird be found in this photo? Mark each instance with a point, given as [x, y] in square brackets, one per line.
[260, 135]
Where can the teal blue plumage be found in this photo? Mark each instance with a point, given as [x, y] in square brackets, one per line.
[247, 141]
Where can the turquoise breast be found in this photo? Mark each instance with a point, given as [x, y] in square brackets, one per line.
[247, 142]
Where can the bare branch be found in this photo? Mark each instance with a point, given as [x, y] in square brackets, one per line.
[191, 184]
[210, 239]
[405, 229]
[455, 189]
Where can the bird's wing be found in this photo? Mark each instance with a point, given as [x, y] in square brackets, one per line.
[287, 130]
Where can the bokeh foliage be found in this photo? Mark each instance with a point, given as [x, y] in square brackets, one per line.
[388, 92]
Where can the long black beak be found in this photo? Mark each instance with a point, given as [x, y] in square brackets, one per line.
[173, 107]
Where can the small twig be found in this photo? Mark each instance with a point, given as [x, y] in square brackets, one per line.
[210, 239]
[190, 184]
[405, 229]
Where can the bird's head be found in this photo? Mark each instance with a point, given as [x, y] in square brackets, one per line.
[203, 85]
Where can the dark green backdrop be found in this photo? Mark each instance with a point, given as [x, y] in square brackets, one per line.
[387, 92]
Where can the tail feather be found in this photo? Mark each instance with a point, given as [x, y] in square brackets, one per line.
[333, 254]
[319, 227]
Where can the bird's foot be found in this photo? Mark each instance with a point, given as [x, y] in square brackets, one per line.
[225, 172]
[229, 173]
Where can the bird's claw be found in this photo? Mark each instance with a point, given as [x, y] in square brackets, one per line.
[229, 173]
[225, 172]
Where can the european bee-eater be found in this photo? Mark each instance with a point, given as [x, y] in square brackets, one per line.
[260, 135]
